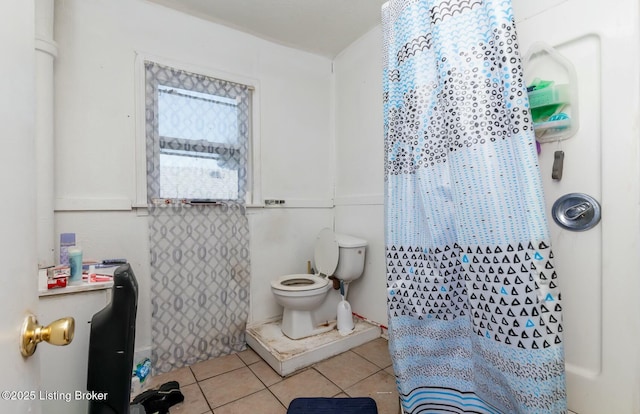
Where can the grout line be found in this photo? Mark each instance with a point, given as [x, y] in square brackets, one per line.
[268, 388]
[245, 396]
[325, 377]
[206, 401]
[343, 389]
[277, 399]
[248, 395]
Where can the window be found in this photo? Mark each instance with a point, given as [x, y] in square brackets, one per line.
[197, 131]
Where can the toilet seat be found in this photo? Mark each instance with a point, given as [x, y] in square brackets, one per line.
[326, 260]
[299, 283]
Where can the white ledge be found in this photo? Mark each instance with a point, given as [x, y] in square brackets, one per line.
[76, 287]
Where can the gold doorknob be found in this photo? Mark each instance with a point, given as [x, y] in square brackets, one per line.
[58, 332]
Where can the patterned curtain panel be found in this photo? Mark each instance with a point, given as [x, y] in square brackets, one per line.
[475, 320]
[197, 138]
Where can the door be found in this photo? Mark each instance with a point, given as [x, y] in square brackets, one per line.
[598, 269]
[19, 377]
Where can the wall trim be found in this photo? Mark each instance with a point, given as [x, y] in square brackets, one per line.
[296, 203]
[92, 204]
[358, 200]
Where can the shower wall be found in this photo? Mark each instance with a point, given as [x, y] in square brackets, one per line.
[598, 268]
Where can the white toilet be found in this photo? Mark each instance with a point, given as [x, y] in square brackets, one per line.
[307, 311]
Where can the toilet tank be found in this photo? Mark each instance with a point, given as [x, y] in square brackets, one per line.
[350, 258]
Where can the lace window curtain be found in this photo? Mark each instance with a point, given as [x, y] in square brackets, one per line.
[197, 143]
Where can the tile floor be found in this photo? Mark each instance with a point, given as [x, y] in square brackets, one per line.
[243, 383]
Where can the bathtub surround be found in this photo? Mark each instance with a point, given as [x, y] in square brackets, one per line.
[473, 301]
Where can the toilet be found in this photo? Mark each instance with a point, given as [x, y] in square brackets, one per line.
[304, 297]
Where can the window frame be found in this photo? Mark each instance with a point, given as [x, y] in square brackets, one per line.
[185, 145]
[253, 196]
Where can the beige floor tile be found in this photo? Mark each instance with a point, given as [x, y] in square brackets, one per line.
[265, 373]
[184, 376]
[248, 356]
[309, 383]
[230, 386]
[382, 388]
[376, 351]
[262, 402]
[194, 401]
[390, 371]
[216, 366]
[346, 369]
[237, 383]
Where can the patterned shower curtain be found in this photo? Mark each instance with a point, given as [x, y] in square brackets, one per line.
[473, 302]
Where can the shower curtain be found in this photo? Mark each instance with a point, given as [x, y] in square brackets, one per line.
[474, 309]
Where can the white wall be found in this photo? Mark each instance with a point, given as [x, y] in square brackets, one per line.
[95, 172]
[359, 144]
[281, 243]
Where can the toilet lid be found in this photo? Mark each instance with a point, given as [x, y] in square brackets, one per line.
[326, 252]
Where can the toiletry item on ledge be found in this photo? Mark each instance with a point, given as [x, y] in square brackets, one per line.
[75, 263]
[57, 282]
[91, 274]
[92, 271]
[58, 271]
[67, 240]
[116, 262]
[97, 277]
[58, 276]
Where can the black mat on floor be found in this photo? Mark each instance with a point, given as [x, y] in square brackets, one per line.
[364, 405]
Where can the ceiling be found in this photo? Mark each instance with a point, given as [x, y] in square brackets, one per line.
[324, 27]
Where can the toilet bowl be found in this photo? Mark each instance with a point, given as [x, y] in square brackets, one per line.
[301, 295]
[303, 292]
